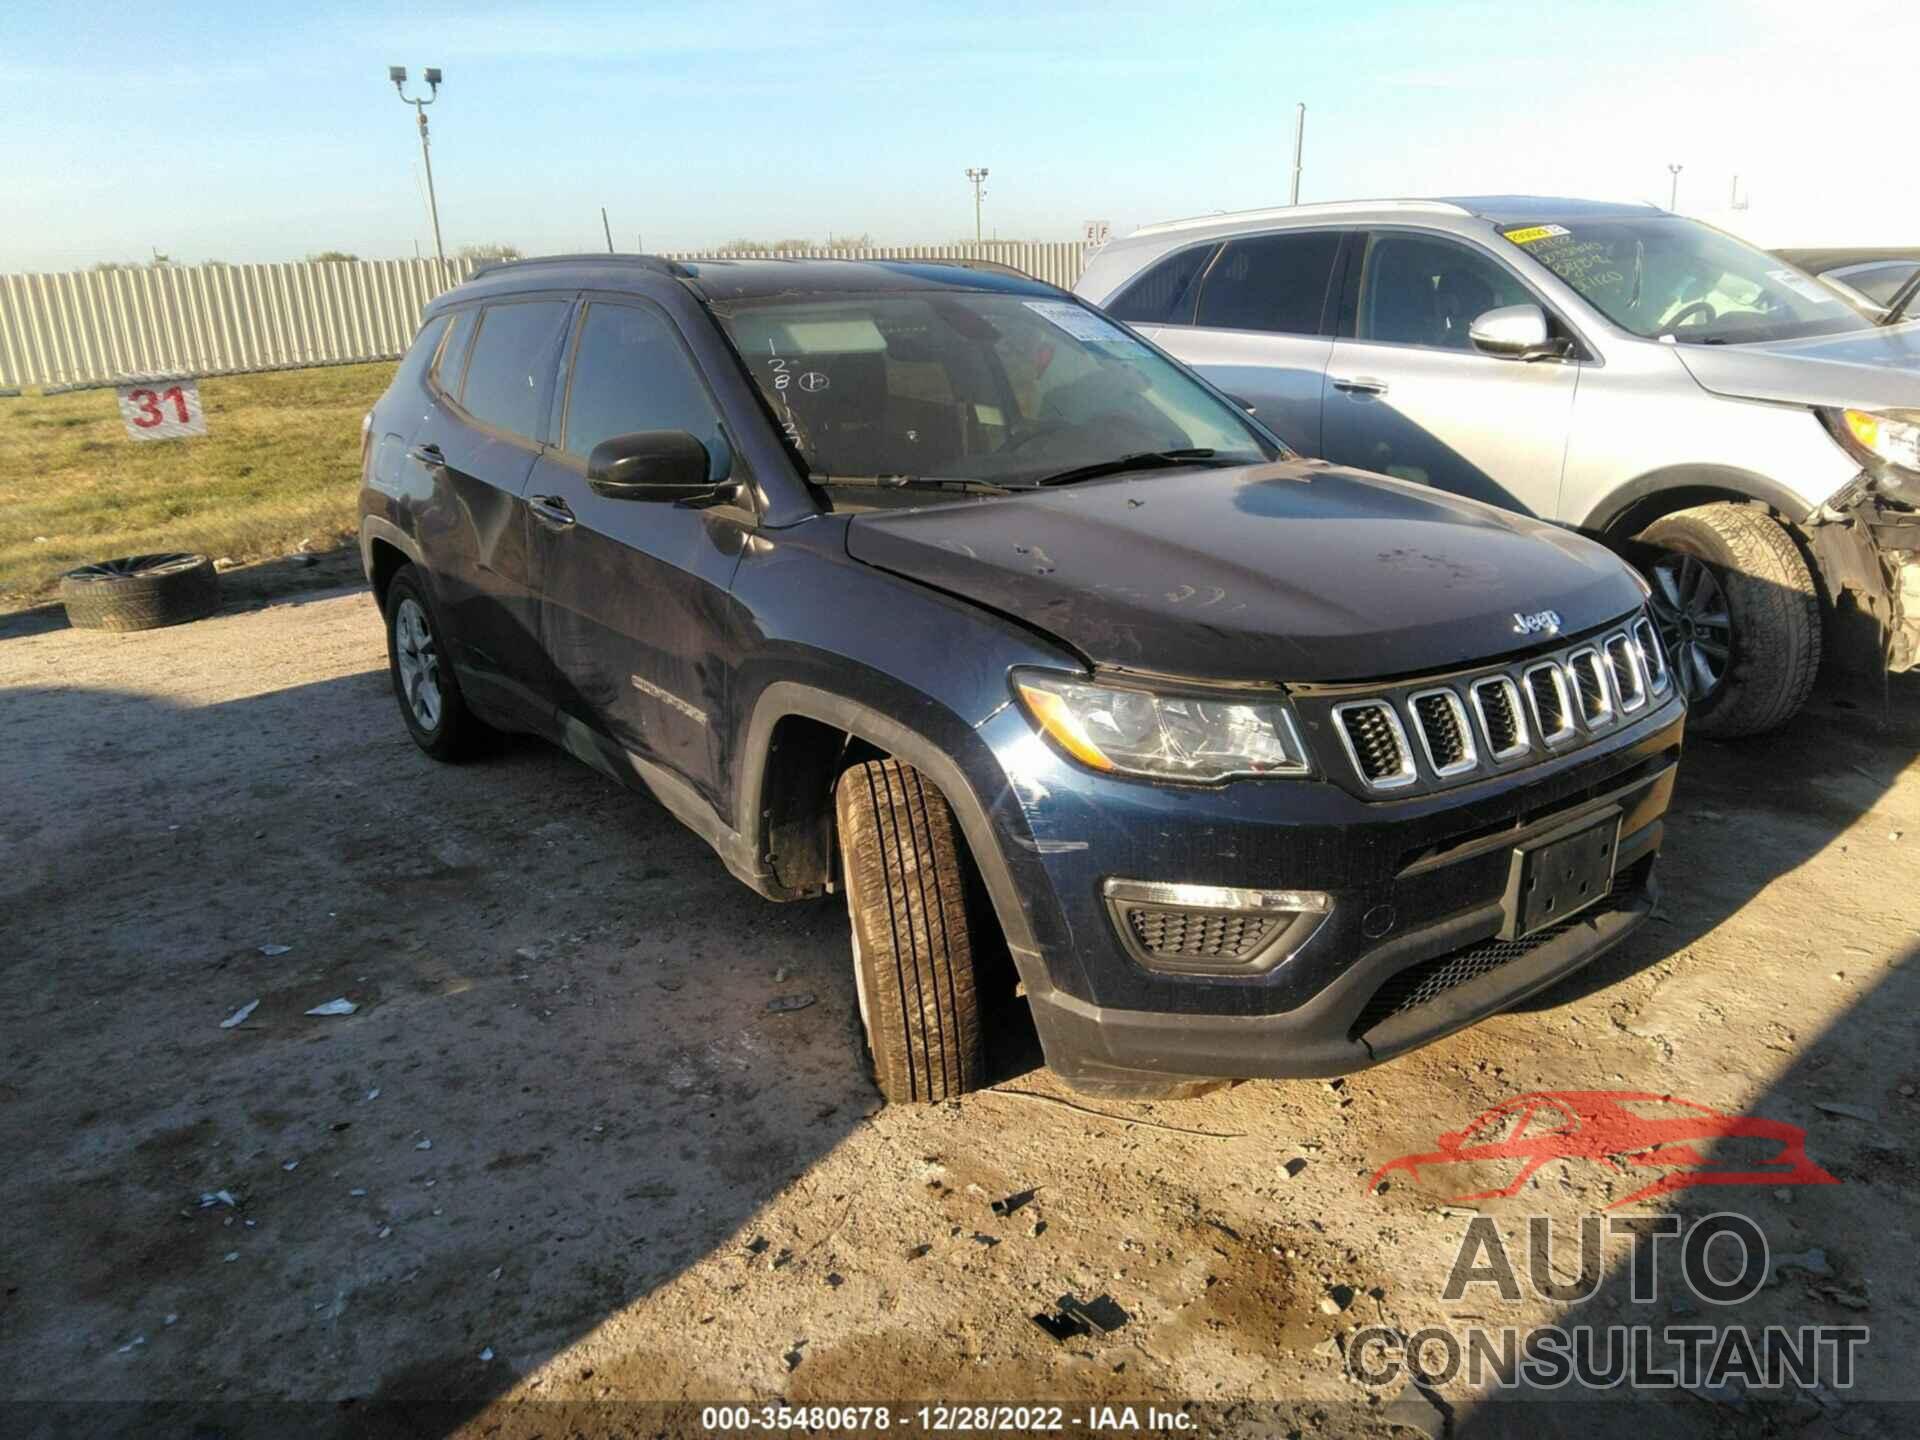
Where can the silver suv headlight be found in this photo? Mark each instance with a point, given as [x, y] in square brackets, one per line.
[1889, 436]
[1163, 735]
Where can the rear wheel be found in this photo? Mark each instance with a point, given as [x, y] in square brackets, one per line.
[423, 679]
[1740, 616]
[902, 858]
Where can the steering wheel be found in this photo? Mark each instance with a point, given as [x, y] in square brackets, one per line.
[1039, 429]
[1675, 321]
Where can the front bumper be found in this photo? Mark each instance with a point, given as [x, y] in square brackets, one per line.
[1410, 952]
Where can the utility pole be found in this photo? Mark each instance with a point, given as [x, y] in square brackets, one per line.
[398, 75]
[979, 179]
[606, 227]
[1299, 143]
[1673, 195]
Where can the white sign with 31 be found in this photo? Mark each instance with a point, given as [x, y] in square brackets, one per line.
[162, 409]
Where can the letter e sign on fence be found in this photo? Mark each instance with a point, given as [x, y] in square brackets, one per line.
[162, 410]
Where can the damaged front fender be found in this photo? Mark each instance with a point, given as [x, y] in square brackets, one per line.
[1868, 549]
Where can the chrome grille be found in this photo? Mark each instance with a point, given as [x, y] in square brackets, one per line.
[1653, 655]
[1552, 707]
[1376, 743]
[1629, 682]
[1496, 701]
[1589, 676]
[1444, 732]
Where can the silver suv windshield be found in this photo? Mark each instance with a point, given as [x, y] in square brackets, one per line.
[1008, 390]
[1665, 276]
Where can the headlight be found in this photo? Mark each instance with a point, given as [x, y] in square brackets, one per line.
[1169, 737]
[1891, 436]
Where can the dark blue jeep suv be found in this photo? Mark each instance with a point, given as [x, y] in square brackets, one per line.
[931, 583]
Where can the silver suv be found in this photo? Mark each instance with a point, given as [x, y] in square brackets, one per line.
[1721, 418]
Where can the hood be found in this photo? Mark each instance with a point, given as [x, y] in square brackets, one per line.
[1876, 369]
[1291, 571]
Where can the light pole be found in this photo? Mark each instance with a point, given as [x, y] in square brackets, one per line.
[1673, 195]
[1299, 144]
[398, 74]
[979, 179]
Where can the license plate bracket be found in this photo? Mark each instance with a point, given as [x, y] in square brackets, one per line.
[1561, 873]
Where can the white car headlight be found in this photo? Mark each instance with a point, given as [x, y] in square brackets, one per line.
[1165, 736]
[1892, 436]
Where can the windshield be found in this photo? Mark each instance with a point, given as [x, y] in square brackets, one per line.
[1009, 390]
[1666, 276]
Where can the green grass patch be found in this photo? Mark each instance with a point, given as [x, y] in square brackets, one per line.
[280, 464]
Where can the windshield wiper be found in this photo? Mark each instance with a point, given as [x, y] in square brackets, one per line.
[913, 482]
[1139, 460]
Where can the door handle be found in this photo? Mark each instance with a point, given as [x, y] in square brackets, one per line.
[427, 455]
[551, 510]
[1361, 385]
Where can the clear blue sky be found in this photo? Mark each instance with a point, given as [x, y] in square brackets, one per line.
[249, 130]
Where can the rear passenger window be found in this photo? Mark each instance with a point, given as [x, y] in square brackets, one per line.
[512, 358]
[1276, 283]
[1164, 294]
[413, 365]
[451, 363]
[630, 372]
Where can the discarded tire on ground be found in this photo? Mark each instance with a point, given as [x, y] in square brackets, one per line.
[140, 592]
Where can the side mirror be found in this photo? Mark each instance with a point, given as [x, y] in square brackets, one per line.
[1518, 332]
[650, 465]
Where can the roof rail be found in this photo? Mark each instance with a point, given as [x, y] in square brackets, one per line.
[654, 263]
[1323, 207]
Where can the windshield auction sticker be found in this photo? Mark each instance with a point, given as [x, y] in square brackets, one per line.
[1535, 232]
[1080, 323]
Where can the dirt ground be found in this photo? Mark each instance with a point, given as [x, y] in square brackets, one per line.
[563, 1150]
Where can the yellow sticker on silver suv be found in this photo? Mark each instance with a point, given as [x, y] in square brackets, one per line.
[1535, 232]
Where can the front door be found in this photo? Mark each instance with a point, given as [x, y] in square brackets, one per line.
[1408, 395]
[636, 616]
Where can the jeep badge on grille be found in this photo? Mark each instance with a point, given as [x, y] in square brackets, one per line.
[1541, 622]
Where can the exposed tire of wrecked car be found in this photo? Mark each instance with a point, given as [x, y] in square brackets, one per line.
[140, 592]
[901, 855]
[1775, 612]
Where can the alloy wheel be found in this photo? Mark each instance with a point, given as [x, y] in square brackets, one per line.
[1690, 608]
[419, 661]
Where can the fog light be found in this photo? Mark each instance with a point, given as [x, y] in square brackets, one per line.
[1213, 929]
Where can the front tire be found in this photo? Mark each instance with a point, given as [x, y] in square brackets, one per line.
[423, 679]
[902, 859]
[1740, 615]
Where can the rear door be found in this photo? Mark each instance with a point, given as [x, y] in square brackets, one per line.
[1261, 327]
[474, 450]
[635, 614]
[1407, 393]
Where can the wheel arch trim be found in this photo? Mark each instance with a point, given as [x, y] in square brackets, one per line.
[1709, 482]
[787, 698]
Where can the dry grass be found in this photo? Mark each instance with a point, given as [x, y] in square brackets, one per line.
[280, 464]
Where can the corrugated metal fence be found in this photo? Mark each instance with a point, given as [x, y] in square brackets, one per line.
[93, 327]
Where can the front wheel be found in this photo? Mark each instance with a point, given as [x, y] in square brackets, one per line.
[423, 679]
[1738, 610]
[901, 856]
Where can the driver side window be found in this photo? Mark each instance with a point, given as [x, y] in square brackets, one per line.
[630, 372]
[1419, 291]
